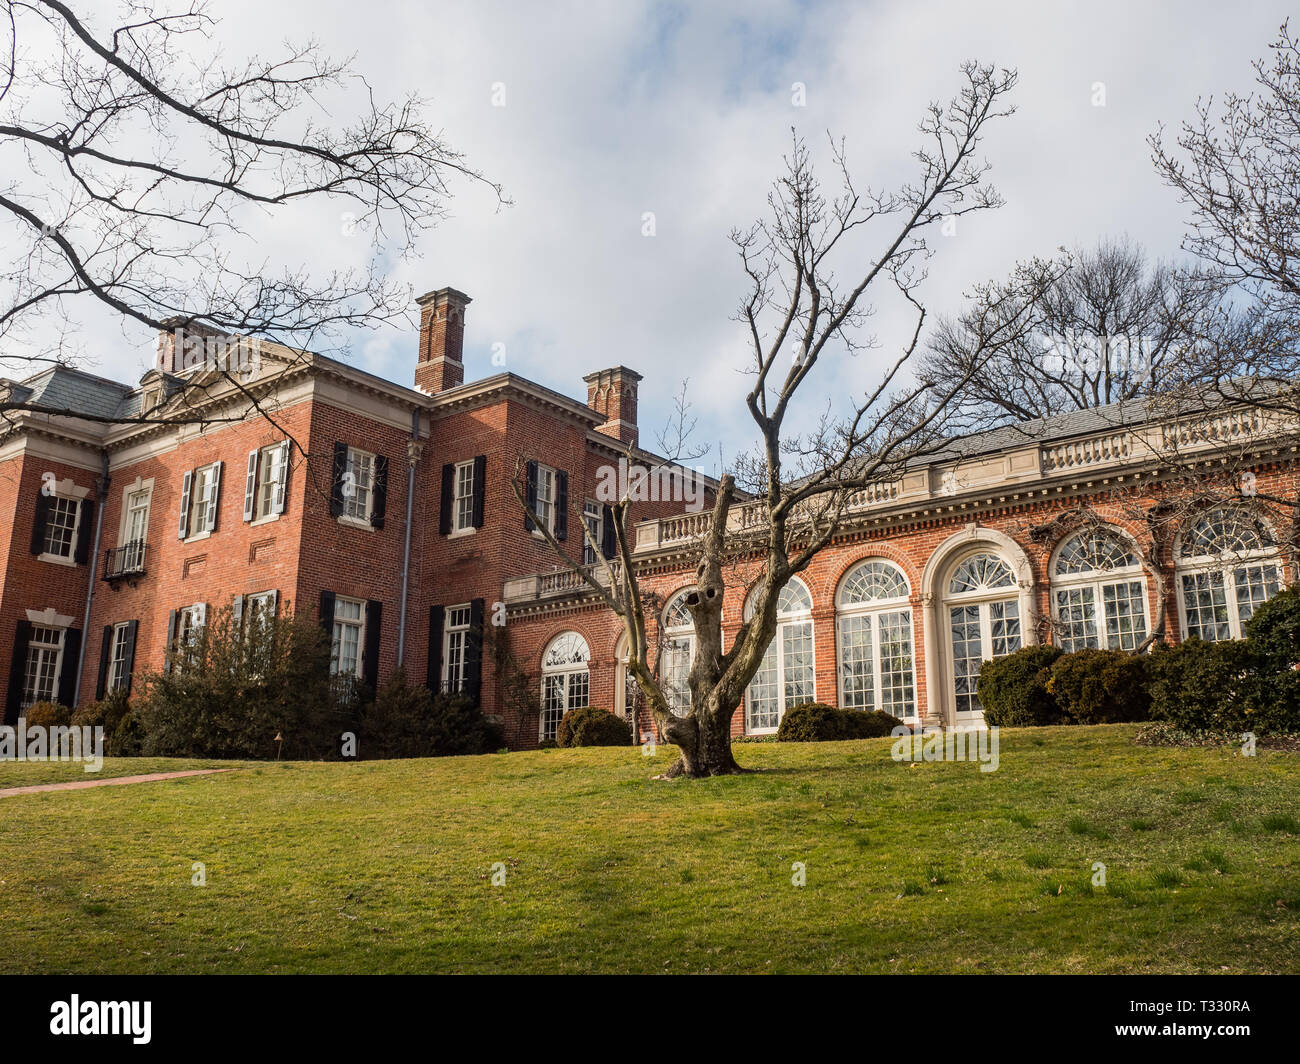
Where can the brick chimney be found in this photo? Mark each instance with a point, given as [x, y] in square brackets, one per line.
[612, 394]
[442, 340]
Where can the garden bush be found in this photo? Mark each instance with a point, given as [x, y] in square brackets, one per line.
[1202, 686]
[107, 713]
[1274, 632]
[867, 723]
[1100, 686]
[816, 722]
[1013, 690]
[408, 720]
[592, 726]
[238, 685]
[47, 715]
[811, 722]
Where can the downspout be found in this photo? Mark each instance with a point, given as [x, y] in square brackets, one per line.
[414, 447]
[102, 488]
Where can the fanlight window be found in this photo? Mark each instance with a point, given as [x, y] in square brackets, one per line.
[794, 598]
[1098, 592]
[1228, 566]
[786, 676]
[981, 572]
[678, 651]
[1096, 550]
[1226, 530]
[566, 683]
[874, 640]
[871, 582]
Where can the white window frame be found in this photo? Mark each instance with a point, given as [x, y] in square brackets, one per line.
[462, 499]
[455, 642]
[873, 612]
[570, 680]
[545, 505]
[269, 482]
[341, 624]
[984, 599]
[190, 620]
[678, 648]
[785, 620]
[356, 512]
[593, 516]
[117, 674]
[205, 505]
[74, 536]
[1226, 565]
[1096, 581]
[44, 650]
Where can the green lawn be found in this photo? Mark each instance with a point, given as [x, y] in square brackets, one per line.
[387, 867]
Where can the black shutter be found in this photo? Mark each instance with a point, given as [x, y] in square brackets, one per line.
[530, 496]
[105, 652]
[84, 532]
[474, 652]
[39, 521]
[370, 666]
[561, 505]
[380, 506]
[68, 671]
[480, 487]
[433, 678]
[327, 612]
[448, 488]
[18, 670]
[128, 663]
[608, 540]
[170, 649]
[336, 484]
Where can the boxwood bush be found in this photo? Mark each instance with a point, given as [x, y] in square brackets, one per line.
[1013, 690]
[592, 726]
[1100, 686]
[816, 722]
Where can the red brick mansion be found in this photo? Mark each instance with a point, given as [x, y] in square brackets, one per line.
[388, 511]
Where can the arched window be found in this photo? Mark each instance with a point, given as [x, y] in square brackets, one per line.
[874, 633]
[983, 604]
[786, 676]
[679, 652]
[1227, 564]
[1097, 584]
[566, 684]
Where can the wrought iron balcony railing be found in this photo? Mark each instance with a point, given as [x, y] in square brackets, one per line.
[126, 560]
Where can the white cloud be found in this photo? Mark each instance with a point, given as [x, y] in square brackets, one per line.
[616, 109]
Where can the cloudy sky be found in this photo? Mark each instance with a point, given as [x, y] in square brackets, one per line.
[616, 109]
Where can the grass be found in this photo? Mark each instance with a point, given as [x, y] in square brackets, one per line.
[576, 861]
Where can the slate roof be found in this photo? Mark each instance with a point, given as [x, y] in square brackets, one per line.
[63, 388]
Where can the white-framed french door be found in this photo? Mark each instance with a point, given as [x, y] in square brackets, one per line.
[978, 632]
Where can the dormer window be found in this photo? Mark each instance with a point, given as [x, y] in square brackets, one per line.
[149, 399]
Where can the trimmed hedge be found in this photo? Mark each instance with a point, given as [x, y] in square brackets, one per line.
[816, 722]
[1224, 686]
[1013, 689]
[592, 726]
[1100, 686]
[1274, 632]
[47, 715]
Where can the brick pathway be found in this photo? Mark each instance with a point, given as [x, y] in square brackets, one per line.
[115, 781]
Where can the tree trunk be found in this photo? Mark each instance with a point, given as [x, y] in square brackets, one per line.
[705, 744]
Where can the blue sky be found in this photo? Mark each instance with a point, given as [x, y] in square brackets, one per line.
[616, 109]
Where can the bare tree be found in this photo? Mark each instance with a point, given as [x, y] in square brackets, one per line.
[799, 315]
[1114, 327]
[138, 162]
[1237, 167]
